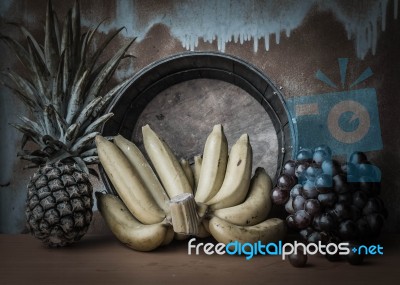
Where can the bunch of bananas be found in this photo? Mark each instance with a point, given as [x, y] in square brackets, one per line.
[217, 197]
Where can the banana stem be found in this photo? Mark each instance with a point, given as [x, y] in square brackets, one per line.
[184, 216]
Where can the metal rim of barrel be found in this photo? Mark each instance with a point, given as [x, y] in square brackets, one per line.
[161, 74]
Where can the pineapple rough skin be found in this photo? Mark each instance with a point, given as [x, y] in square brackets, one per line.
[59, 204]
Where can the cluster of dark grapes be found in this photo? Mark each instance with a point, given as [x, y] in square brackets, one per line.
[328, 201]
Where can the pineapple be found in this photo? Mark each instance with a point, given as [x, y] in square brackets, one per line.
[59, 205]
[63, 90]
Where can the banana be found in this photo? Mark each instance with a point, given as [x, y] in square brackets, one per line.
[237, 178]
[127, 228]
[128, 183]
[196, 171]
[167, 166]
[206, 224]
[143, 168]
[257, 205]
[188, 171]
[271, 230]
[202, 210]
[215, 157]
[169, 237]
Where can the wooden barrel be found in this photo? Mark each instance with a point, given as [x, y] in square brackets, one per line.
[183, 96]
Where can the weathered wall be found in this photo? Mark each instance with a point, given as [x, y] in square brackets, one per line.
[288, 40]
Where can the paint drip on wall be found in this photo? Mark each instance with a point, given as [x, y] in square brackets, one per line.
[254, 20]
[236, 21]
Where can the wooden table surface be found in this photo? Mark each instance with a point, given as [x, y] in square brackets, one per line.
[103, 260]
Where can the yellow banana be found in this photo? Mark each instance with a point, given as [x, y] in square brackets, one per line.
[271, 230]
[143, 168]
[196, 171]
[257, 205]
[188, 171]
[169, 237]
[127, 228]
[215, 156]
[128, 183]
[206, 224]
[237, 178]
[167, 166]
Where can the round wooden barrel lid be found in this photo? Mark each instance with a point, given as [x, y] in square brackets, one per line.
[181, 97]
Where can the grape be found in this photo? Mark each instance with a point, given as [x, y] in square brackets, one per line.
[325, 149]
[289, 167]
[327, 199]
[315, 237]
[375, 222]
[355, 213]
[368, 180]
[325, 237]
[359, 199]
[315, 222]
[367, 169]
[305, 233]
[296, 190]
[299, 259]
[334, 239]
[372, 206]
[345, 198]
[320, 156]
[302, 219]
[305, 154]
[291, 222]
[309, 190]
[341, 212]
[330, 167]
[300, 170]
[298, 203]
[326, 222]
[312, 207]
[354, 258]
[279, 196]
[349, 168]
[313, 171]
[368, 187]
[380, 202]
[339, 184]
[324, 183]
[363, 227]
[289, 206]
[353, 181]
[332, 202]
[358, 158]
[347, 230]
[286, 181]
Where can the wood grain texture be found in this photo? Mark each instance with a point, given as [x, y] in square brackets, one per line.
[184, 115]
[103, 260]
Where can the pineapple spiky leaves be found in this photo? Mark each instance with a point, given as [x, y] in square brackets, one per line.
[63, 90]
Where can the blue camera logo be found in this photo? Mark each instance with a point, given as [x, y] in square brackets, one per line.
[347, 121]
